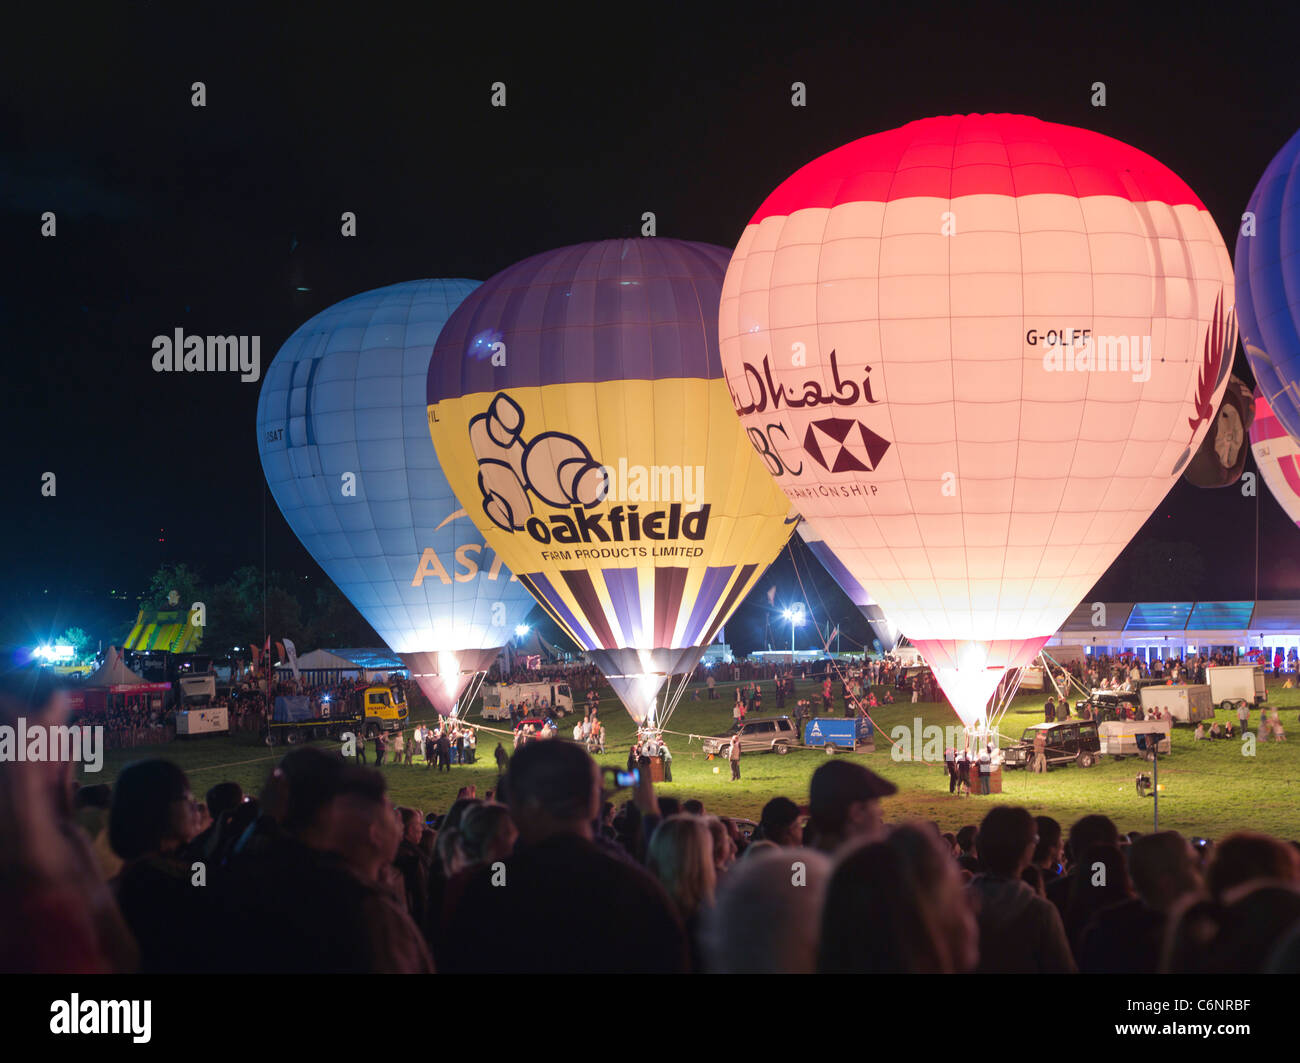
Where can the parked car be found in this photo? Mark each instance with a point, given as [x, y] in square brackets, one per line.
[775, 734]
[1072, 742]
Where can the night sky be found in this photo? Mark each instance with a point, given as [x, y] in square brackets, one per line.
[209, 219]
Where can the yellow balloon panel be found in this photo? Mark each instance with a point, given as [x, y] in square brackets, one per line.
[635, 510]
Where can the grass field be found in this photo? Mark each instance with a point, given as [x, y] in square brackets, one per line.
[1210, 788]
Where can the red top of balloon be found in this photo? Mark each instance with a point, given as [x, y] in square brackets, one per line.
[978, 154]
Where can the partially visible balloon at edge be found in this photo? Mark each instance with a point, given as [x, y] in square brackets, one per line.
[1221, 458]
[1267, 263]
[1277, 456]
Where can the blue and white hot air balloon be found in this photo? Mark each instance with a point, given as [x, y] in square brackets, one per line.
[1268, 285]
[343, 434]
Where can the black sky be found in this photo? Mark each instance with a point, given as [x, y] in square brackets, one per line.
[174, 216]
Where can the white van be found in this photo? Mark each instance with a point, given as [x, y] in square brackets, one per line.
[537, 698]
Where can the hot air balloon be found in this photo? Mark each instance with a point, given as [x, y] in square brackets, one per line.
[576, 401]
[885, 632]
[976, 351]
[1268, 285]
[341, 430]
[1221, 457]
[1277, 455]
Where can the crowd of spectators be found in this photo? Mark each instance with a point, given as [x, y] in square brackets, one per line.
[552, 874]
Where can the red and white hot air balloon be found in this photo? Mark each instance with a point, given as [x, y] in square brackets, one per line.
[1277, 455]
[976, 352]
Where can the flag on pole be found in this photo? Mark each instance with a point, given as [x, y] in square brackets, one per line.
[292, 654]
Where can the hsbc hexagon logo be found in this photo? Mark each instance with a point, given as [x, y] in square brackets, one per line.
[841, 444]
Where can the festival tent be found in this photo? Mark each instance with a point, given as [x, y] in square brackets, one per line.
[113, 683]
[326, 666]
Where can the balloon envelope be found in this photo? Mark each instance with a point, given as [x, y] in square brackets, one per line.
[1268, 285]
[576, 400]
[342, 433]
[885, 632]
[977, 351]
[1277, 456]
[1221, 458]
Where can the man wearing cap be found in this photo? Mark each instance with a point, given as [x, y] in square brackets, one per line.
[844, 799]
[779, 823]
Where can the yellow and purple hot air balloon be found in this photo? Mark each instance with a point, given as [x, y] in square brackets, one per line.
[577, 405]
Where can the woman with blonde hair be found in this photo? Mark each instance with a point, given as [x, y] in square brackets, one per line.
[680, 856]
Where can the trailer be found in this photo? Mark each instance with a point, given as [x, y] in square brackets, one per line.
[292, 721]
[837, 734]
[1189, 703]
[1232, 685]
[1133, 738]
[208, 720]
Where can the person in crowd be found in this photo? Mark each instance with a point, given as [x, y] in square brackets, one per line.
[1050, 850]
[779, 822]
[963, 772]
[766, 920]
[1084, 834]
[1019, 932]
[1039, 763]
[1128, 937]
[724, 848]
[151, 821]
[413, 864]
[501, 757]
[733, 756]
[897, 906]
[399, 747]
[950, 765]
[367, 833]
[59, 915]
[680, 856]
[444, 750]
[1103, 882]
[844, 804]
[221, 800]
[430, 748]
[967, 853]
[1253, 903]
[381, 747]
[316, 860]
[625, 922]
